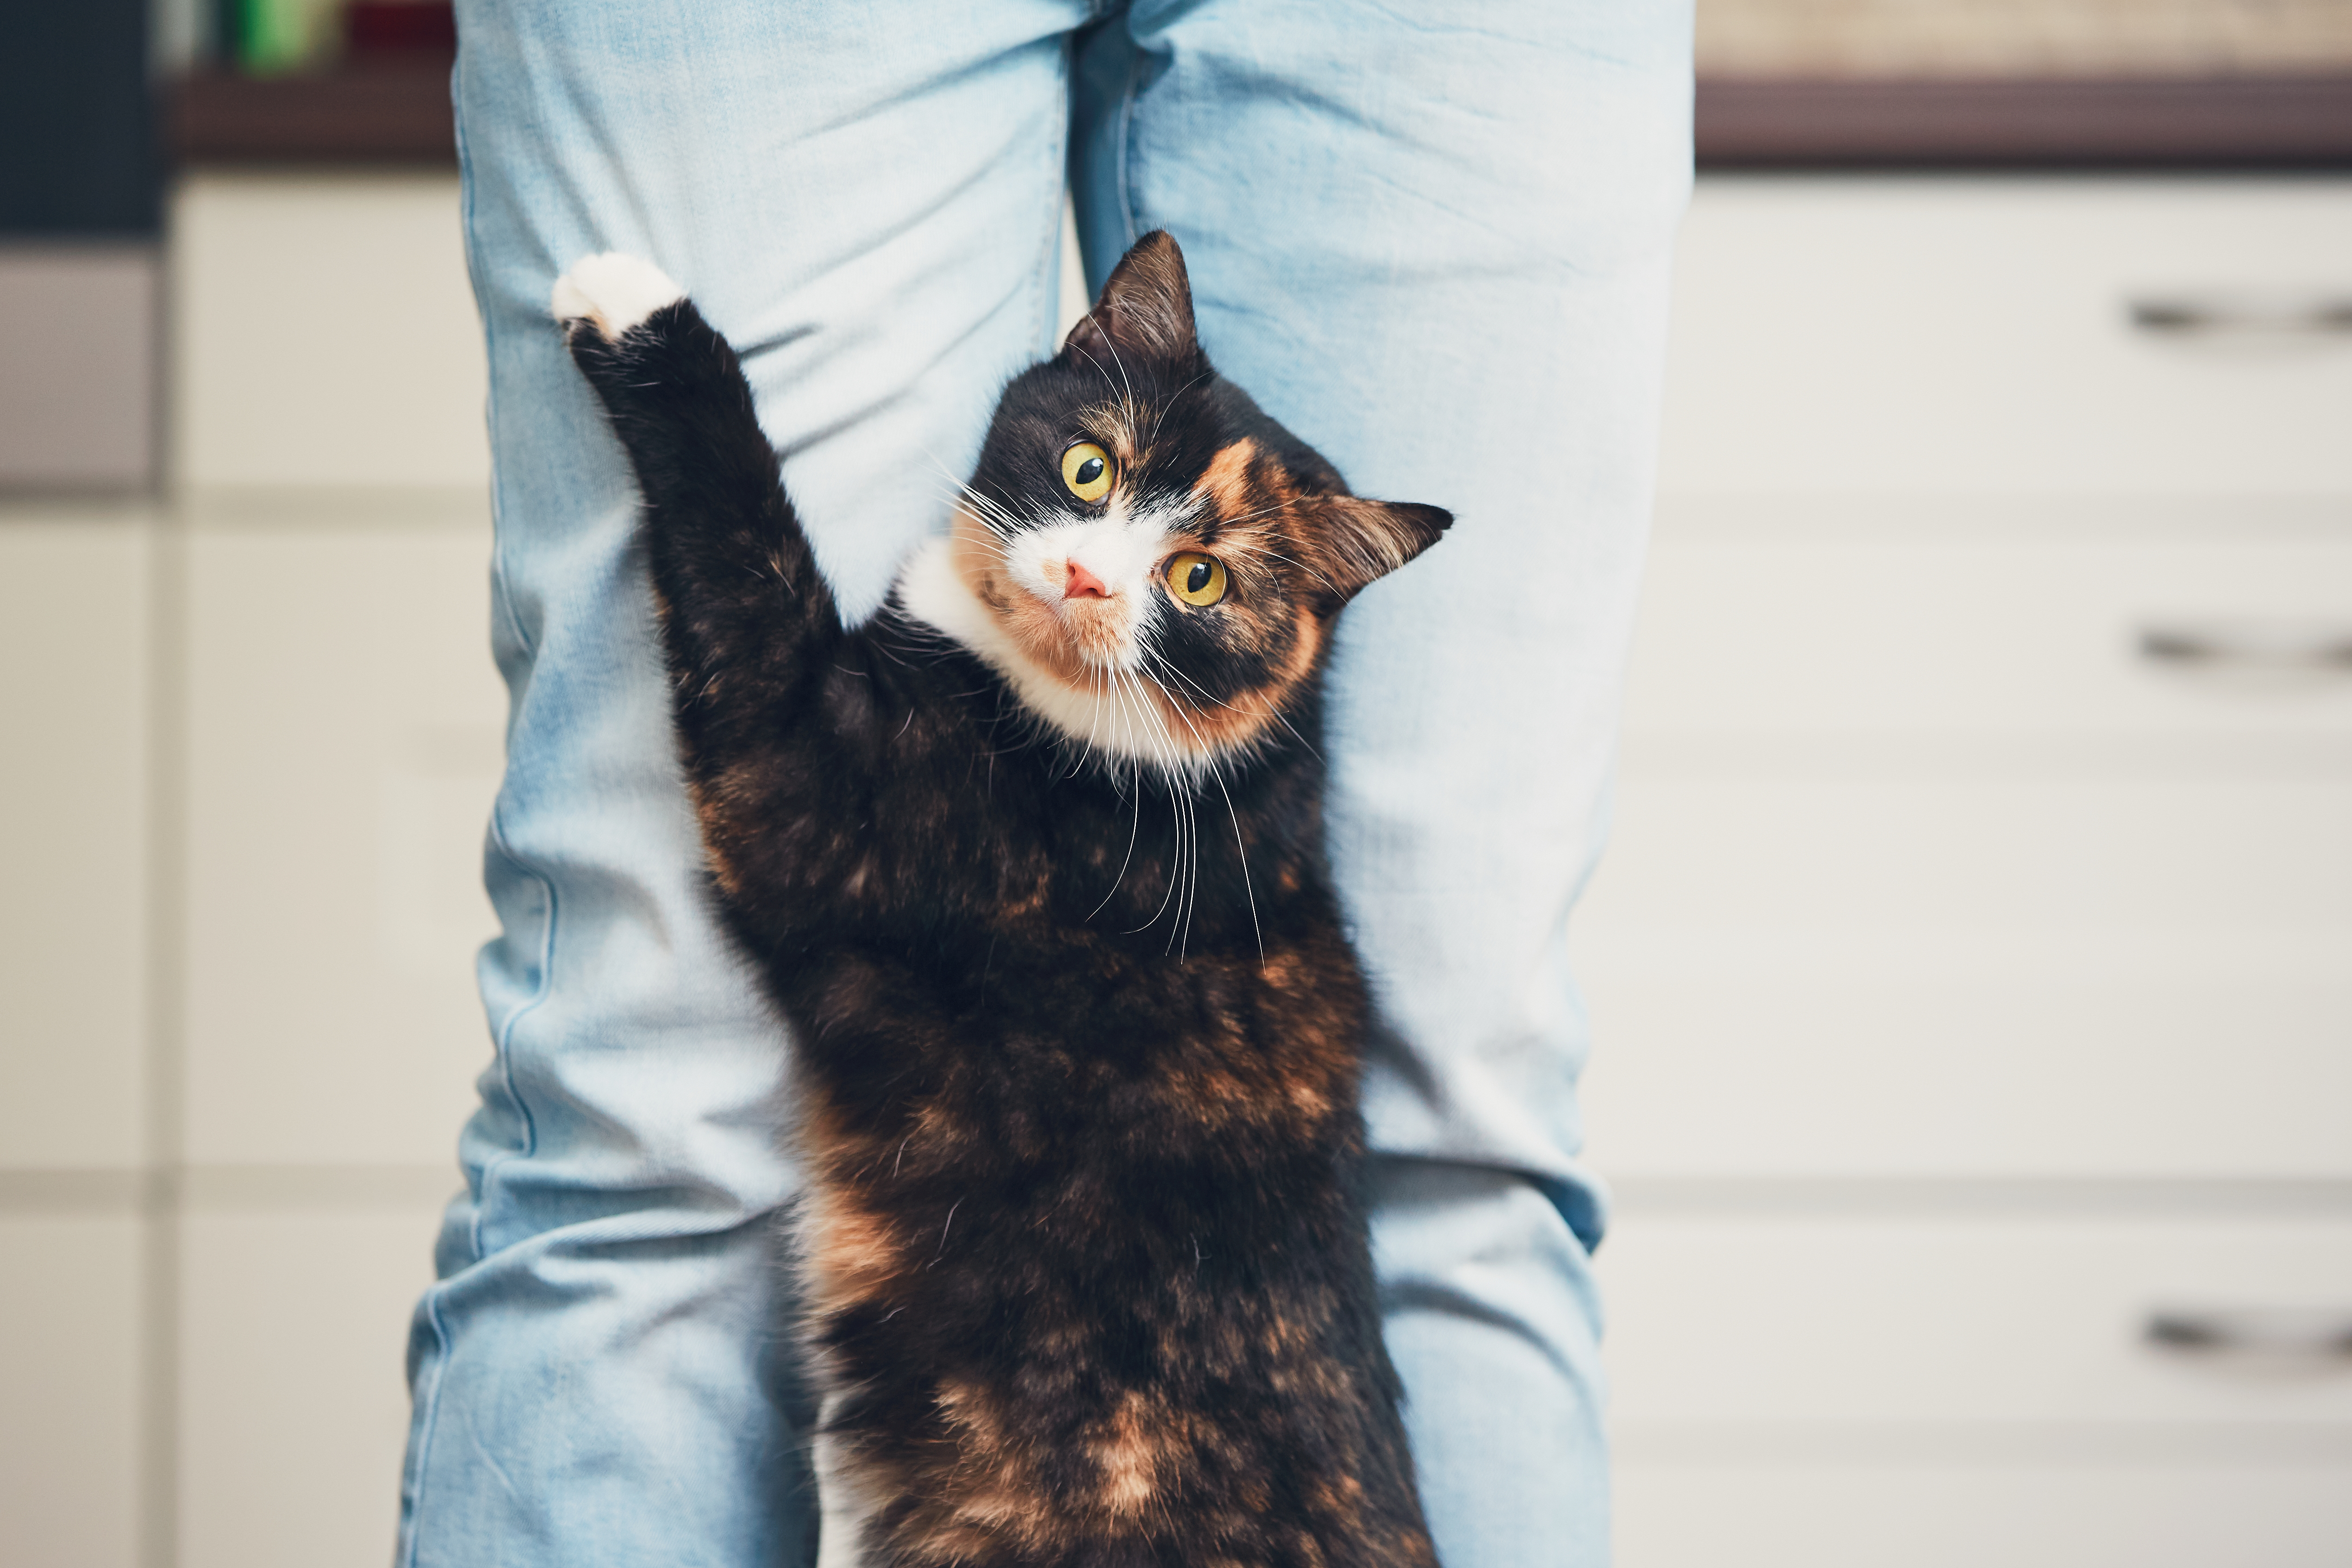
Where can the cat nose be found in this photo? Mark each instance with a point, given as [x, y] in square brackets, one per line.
[1082, 583]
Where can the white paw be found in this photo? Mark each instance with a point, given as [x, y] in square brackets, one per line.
[613, 292]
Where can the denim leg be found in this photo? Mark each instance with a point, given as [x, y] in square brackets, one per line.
[866, 199]
[1434, 239]
[1438, 252]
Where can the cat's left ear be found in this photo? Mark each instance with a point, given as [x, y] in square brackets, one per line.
[1145, 311]
[1363, 540]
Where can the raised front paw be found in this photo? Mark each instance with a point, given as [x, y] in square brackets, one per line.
[612, 293]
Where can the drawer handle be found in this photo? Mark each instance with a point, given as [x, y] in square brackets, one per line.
[2276, 645]
[2315, 1334]
[2242, 313]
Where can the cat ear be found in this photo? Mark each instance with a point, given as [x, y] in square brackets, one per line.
[1145, 311]
[1363, 540]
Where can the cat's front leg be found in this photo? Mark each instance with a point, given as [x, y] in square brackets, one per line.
[613, 292]
[745, 613]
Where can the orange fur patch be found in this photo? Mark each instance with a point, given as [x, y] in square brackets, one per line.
[1115, 424]
[856, 1250]
[1032, 626]
[1225, 483]
[1130, 1455]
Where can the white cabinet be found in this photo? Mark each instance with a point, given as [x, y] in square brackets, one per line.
[1972, 966]
[323, 333]
[1983, 1317]
[344, 749]
[344, 746]
[74, 820]
[1923, 866]
[2026, 1507]
[72, 1361]
[293, 1409]
[259, 725]
[2001, 623]
[75, 964]
[1947, 334]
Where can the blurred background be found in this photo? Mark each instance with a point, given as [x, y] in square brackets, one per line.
[1971, 969]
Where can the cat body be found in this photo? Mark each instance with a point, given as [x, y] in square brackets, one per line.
[1033, 864]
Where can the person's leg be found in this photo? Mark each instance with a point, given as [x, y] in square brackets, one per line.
[866, 200]
[1433, 240]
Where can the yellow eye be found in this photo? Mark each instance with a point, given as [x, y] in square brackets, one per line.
[1086, 469]
[1197, 579]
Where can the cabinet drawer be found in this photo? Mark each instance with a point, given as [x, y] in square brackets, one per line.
[1906, 620]
[344, 722]
[73, 836]
[2098, 975]
[1883, 335]
[71, 1349]
[292, 1412]
[1941, 853]
[1773, 1513]
[1910, 1319]
[266, 389]
[1990, 1074]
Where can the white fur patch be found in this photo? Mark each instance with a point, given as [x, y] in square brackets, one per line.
[613, 292]
[1115, 715]
[1120, 548]
[842, 1506]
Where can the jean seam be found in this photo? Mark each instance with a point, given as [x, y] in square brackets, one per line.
[428, 1418]
[429, 1406]
[502, 599]
[513, 1091]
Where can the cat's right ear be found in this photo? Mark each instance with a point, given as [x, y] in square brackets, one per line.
[1145, 312]
[1360, 541]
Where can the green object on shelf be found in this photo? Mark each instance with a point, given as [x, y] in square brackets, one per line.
[271, 37]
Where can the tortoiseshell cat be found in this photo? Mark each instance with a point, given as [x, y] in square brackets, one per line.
[1032, 863]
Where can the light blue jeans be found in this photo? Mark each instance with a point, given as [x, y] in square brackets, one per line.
[1431, 237]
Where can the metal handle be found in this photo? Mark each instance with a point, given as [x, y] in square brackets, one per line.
[2267, 644]
[2249, 312]
[2313, 1333]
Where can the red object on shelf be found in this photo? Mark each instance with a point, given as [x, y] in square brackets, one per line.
[400, 28]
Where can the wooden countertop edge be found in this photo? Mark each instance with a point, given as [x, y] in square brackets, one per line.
[2205, 123]
[399, 114]
[392, 113]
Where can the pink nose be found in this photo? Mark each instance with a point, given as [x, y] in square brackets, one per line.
[1082, 583]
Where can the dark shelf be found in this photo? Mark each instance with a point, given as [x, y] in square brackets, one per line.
[2023, 124]
[395, 113]
[398, 112]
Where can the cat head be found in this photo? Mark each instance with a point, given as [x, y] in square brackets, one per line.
[1153, 562]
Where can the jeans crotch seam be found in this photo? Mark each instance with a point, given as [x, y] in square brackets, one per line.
[1048, 265]
[502, 598]
[1127, 202]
